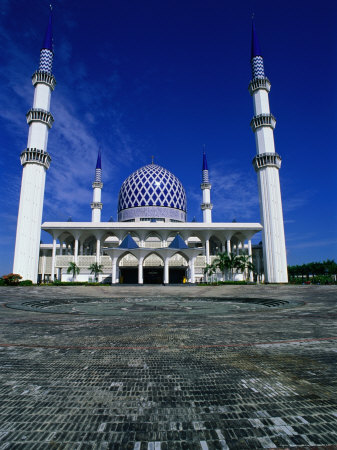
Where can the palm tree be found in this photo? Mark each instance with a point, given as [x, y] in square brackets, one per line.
[74, 269]
[243, 263]
[233, 263]
[96, 269]
[225, 262]
[209, 270]
[221, 263]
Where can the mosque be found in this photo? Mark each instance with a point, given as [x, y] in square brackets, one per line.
[151, 242]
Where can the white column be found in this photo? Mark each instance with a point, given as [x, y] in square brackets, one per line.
[250, 254]
[98, 250]
[166, 270]
[53, 260]
[207, 251]
[113, 271]
[140, 270]
[76, 251]
[43, 263]
[192, 275]
[81, 249]
[61, 248]
[229, 250]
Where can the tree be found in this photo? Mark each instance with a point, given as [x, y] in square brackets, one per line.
[244, 263]
[209, 270]
[96, 269]
[12, 279]
[74, 269]
[221, 263]
[226, 262]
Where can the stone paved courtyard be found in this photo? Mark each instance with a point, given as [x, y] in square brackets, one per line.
[154, 367]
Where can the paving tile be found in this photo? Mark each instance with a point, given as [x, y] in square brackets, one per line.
[173, 369]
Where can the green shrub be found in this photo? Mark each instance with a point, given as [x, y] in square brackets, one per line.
[317, 279]
[2, 282]
[26, 283]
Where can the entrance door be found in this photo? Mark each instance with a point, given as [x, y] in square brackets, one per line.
[128, 275]
[177, 275]
[153, 275]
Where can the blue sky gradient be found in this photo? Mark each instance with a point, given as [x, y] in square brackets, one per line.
[164, 78]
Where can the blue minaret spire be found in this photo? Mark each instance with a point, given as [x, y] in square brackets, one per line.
[98, 171]
[205, 178]
[47, 51]
[256, 56]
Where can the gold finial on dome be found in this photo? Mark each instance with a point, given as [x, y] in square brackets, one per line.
[152, 157]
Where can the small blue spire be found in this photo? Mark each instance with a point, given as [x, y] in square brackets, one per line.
[256, 50]
[47, 52]
[99, 162]
[205, 178]
[204, 162]
[48, 37]
[256, 56]
[98, 171]
[128, 242]
[178, 242]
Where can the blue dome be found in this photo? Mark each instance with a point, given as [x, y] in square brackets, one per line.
[152, 192]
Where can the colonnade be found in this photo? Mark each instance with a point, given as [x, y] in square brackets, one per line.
[231, 243]
[165, 254]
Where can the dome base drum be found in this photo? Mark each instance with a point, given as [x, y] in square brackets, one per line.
[147, 213]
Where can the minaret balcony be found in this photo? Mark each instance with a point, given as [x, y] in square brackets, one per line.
[259, 83]
[96, 205]
[263, 120]
[97, 184]
[206, 206]
[205, 186]
[45, 78]
[34, 155]
[40, 115]
[267, 160]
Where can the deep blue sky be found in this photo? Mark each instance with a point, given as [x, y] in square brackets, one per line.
[162, 78]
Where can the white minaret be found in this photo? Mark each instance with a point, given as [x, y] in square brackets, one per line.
[267, 164]
[35, 161]
[96, 205]
[206, 205]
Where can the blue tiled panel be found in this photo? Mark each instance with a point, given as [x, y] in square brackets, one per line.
[46, 60]
[257, 67]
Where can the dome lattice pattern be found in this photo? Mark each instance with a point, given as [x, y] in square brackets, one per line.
[152, 185]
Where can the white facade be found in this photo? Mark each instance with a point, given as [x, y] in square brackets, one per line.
[86, 243]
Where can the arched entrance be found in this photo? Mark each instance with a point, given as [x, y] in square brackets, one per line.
[178, 268]
[153, 269]
[128, 269]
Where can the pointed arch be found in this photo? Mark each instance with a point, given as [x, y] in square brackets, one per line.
[154, 260]
[182, 254]
[132, 261]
